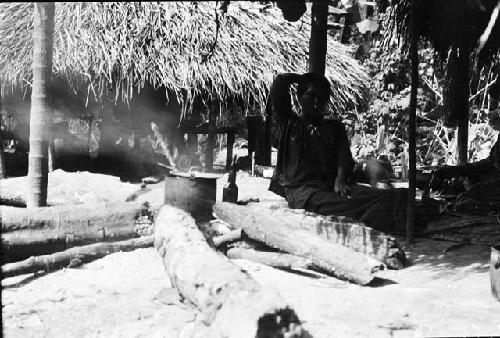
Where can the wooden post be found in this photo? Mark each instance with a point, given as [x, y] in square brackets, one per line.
[2, 155]
[318, 40]
[209, 155]
[412, 168]
[266, 160]
[229, 153]
[462, 104]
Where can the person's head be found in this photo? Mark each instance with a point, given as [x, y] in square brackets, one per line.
[313, 92]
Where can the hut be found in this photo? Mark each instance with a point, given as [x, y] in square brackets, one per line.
[205, 62]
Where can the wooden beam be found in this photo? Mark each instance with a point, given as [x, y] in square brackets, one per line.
[318, 40]
[232, 304]
[288, 236]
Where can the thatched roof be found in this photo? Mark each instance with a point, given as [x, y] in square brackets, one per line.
[123, 45]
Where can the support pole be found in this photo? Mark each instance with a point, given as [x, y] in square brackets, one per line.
[412, 168]
[462, 105]
[318, 40]
[209, 155]
[229, 152]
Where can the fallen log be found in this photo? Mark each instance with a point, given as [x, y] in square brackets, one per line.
[274, 259]
[262, 225]
[231, 302]
[230, 237]
[73, 257]
[38, 231]
[339, 230]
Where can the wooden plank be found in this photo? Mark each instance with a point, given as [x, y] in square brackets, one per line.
[219, 288]
[286, 234]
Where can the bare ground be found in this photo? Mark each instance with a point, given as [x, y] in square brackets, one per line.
[129, 294]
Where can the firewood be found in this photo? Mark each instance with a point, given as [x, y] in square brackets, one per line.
[288, 236]
[231, 302]
[274, 259]
[230, 237]
[73, 257]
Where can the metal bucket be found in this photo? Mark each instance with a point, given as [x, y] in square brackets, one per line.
[495, 271]
[193, 193]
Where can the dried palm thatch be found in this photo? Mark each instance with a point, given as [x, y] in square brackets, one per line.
[103, 46]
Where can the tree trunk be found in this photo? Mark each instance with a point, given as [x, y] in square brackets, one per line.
[351, 234]
[41, 105]
[285, 233]
[27, 232]
[318, 40]
[412, 148]
[231, 302]
[73, 257]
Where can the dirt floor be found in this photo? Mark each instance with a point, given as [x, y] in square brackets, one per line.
[129, 294]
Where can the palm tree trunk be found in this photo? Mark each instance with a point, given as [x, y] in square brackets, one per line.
[318, 40]
[41, 105]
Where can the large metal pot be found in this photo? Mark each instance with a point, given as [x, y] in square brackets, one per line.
[495, 271]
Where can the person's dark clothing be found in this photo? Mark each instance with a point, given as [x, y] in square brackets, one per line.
[481, 171]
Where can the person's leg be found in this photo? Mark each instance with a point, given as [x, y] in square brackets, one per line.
[381, 209]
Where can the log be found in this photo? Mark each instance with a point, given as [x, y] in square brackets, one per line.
[287, 235]
[274, 259]
[37, 231]
[73, 257]
[231, 302]
[230, 237]
[339, 230]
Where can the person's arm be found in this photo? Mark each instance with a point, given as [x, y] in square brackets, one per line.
[345, 162]
[279, 96]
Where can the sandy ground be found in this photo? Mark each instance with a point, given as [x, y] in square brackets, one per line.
[129, 294]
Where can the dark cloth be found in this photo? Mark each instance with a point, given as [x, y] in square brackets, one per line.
[481, 171]
[309, 156]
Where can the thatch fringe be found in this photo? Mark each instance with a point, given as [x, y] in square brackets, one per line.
[123, 45]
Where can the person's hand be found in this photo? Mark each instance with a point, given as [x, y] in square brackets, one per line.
[341, 187]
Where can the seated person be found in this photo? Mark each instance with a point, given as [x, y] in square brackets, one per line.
[481, 171]
[482, 188]
[315, 161]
